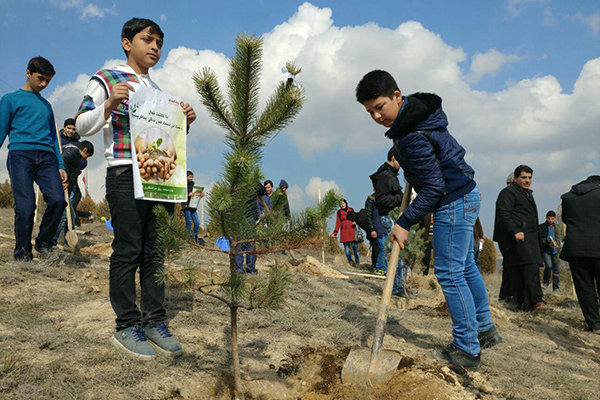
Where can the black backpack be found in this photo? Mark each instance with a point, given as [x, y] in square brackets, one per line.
[360, 218]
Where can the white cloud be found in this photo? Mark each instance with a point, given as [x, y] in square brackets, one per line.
[66, 4]
[515, 7]
[548, 17]
[592, 21]
[489, 63]
[86, 11]
[316, 185]
[295, 196]
[93, 11]
[531, 121]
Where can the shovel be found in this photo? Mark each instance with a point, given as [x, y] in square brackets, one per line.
[366, 367]
[70, 237]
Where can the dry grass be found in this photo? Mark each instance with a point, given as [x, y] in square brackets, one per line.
[55, 330]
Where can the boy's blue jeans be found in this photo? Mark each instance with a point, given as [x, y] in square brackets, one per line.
[399, 278]
[191, 216]
[551, 267]
[41, 167]
[381, 263]
[457, 273]
[250, 258]
[354, 246]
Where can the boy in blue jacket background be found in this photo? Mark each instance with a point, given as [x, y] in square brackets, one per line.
[33, 156]
[433, 162]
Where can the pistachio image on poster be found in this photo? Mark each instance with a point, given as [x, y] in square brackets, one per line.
[158, 136]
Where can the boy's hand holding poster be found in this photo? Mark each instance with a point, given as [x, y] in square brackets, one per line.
[158, 133]
[196, 197]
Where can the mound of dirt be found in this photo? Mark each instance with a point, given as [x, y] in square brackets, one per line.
[315, 267]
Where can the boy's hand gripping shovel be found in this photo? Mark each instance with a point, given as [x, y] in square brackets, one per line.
[365, 367]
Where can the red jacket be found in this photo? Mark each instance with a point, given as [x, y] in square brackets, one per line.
[342, 221]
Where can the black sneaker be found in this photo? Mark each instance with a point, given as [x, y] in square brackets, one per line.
[461, 358]
[489, 338]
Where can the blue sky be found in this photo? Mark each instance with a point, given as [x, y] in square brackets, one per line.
[520, 79]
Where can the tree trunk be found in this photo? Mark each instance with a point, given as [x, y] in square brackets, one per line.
[235, 357]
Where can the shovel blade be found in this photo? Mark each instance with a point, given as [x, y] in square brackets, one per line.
[358, 369]
[72, 241]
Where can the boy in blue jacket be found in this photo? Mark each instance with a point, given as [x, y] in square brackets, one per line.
[33, 156]
[433, 162]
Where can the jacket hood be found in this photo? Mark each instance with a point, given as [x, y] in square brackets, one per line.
[386, 167]
[583, 187]
[422, 111]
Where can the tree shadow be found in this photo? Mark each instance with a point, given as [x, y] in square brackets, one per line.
[365, 318]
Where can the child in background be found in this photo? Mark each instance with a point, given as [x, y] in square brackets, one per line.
[190, 212]
[34, 156]
[74, 157]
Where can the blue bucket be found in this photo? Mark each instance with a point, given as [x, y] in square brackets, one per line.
[223, 243]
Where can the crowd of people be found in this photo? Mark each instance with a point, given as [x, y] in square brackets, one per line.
[432, 160]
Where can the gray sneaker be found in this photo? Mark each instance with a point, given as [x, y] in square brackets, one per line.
[162, 338]
[133, 340]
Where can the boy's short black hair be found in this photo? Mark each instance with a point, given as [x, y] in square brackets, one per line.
[551, 213]
[69, 121]
[41, 65]
[136, 25]
[393, 153]
[522, 168]
[189, 173]
[375, 84]
[84, 144]
[268, 182]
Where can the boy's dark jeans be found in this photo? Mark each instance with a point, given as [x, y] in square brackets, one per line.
[134, 246]
[41, 167]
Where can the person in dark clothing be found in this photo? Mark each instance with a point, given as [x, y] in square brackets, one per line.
[190, 213]
[73, 155]
[516, 231]
[283, 186]
[550, 237]
[581, 215]
[388, 192]
[255, 206]
[69, 136]
[505, 289]
[376, 233]
[388, 195]
[433, 163]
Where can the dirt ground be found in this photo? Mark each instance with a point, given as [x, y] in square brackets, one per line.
[56, 321]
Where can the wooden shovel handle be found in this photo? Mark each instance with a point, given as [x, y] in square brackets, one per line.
[385, 300]
[389, 284]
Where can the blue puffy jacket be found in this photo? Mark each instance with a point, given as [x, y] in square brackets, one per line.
[432, 160]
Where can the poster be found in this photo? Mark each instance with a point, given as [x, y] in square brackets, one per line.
[158, 133]
[195, 199]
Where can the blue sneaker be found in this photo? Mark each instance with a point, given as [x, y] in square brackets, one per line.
[162, 338]
[133, 340]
